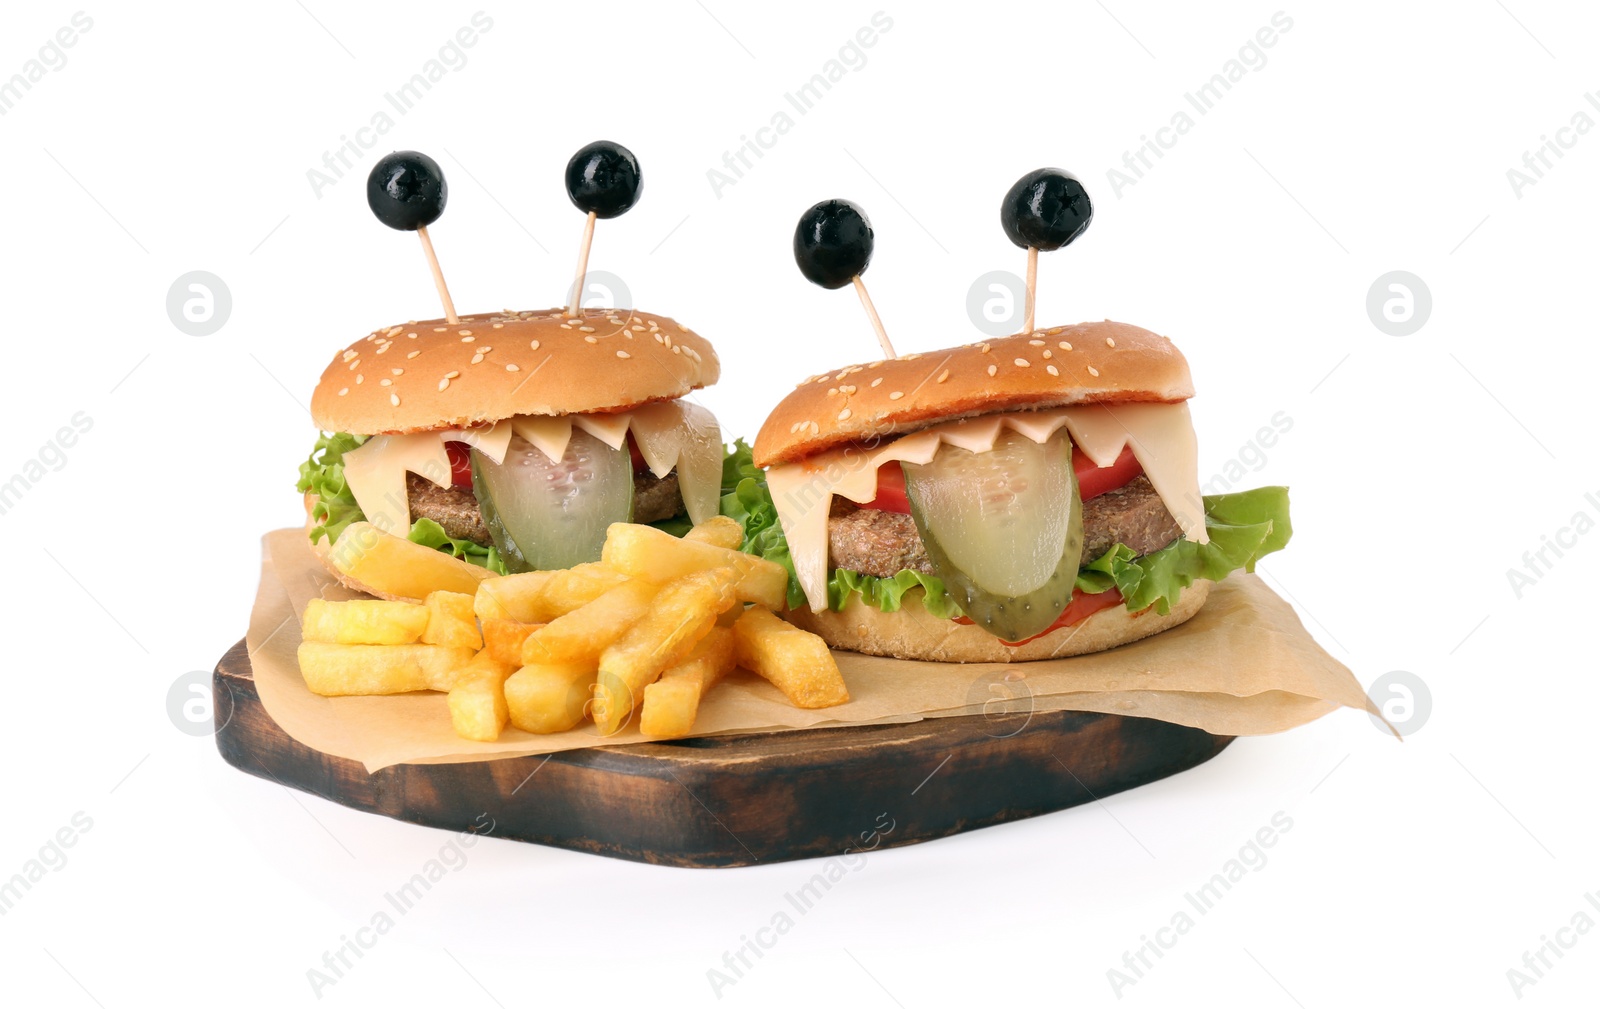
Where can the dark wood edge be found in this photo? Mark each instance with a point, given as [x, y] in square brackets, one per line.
[738, 799]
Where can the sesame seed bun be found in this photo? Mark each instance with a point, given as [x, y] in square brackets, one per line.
[914, 633]
[1092, 362]
[422, 376]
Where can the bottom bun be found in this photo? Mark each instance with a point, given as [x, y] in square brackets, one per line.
[914, 633]
[324, 551]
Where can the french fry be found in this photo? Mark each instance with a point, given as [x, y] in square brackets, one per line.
[511, 597]
[392, 566]
[719, 531]
[576, 586]
[451, 621]
[684, 612]
[710, 661]
[797, 662]
[549, 697]
[537, 597]
[334, 670]
[669, 709]
[671, 703]
[503, 639]
[764, 583]
[647, 552]
[486, 604]
[363, 622]
[478, 700]
[580, 636]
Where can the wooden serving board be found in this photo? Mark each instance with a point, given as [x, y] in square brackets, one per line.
[744, 799]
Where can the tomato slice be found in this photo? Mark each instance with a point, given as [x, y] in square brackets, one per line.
[460, 463]
[891, 490]
[1083, 606]
[1093, 480]
[639, 465]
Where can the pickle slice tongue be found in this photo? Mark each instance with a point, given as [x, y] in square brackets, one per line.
[1003, 530]
[543, 515]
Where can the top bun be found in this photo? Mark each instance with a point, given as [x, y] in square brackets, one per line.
[423, 376]
[1092, 362]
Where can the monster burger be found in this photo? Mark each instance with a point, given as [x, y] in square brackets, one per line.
[1020, 498]
[513, 440]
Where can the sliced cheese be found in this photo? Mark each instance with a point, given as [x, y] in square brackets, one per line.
[670, 435]
[376, 473]
[547, 434]
[491, 441]
[1161, 436]
[683, 436]
[611, 428]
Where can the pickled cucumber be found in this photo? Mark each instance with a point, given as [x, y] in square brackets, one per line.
[1003, 529]
[543, 515]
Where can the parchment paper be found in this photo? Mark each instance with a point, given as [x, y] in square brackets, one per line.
[1243, 665]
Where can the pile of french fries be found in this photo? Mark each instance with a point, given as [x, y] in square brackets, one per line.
[648, 629]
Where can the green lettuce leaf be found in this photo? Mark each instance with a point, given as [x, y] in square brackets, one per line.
[886, 593]
[431, 534]
[1243, 527]
[322, 474]
[335, 509]
[746, 499]
[677, 525]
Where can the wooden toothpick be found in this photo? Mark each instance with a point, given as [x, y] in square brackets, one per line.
[438, 277]
[872, 313]
[583, 267]
[1033, 284]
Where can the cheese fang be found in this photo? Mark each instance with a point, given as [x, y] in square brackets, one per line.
[675, 435]
[376, 474]
[492, 441]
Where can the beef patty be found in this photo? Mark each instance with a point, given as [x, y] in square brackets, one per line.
[656, 499]
[880, 543]
[456, 508]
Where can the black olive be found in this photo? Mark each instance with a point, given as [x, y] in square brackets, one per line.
[1045, 210]
[603, 179]
[406, 190]
[833, 243]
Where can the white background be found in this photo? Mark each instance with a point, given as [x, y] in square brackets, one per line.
[1376, 137]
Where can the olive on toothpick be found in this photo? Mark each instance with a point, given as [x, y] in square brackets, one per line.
[832, 247]
[603, 181]
[1043, 211]
[406, 191]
